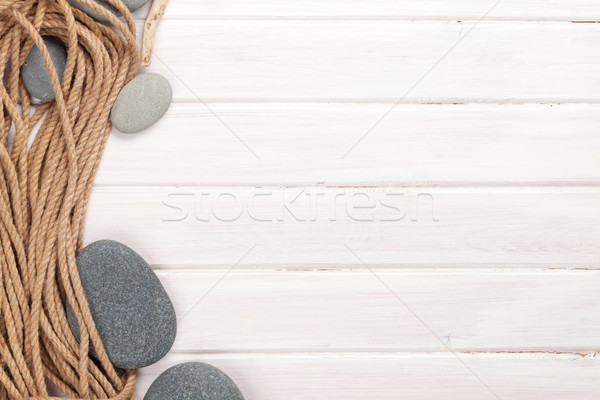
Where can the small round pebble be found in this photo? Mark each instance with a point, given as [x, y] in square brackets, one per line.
[193, 381]
[132, 311]
[141, 103]
[34, 73]
[131, 4]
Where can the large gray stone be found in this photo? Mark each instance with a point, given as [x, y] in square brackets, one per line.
[132, 311]
[34, 73]
[141, 103]
[131, 4]
[193, 381]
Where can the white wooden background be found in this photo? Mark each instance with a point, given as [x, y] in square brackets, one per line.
[482, 283]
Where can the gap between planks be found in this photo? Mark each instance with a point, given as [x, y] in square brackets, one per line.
[427, 101]
[398, 269]
[391, 353]
[382, 10]
[441, 187]
[374, 18]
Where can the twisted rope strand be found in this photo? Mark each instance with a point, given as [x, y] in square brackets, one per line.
[44, 192]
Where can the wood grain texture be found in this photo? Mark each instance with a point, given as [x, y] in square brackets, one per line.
[302, 144]
[475, 201]
[396, 376]
[563, 10]
[378, 61]
[274, 311]
[216, 226]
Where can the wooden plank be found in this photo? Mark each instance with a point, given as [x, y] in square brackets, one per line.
[394, 376]
[466, 310]
[563, 10]
[291, 227]
[378, 61]
[302, 144]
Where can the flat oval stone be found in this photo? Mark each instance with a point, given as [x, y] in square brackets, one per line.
[141, 103]
[34, 73]
[132, 5]
[193, 381]
[132, 311]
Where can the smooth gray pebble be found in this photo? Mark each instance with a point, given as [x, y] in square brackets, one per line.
[142, 102]
[193, 381]
[34, 73]
[132, 311]
[131, 4]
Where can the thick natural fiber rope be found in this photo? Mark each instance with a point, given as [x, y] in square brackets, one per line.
[44, 191]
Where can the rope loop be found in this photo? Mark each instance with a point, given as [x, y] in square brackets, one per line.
[49, 154]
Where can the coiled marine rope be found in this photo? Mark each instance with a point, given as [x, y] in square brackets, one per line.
[45, 184]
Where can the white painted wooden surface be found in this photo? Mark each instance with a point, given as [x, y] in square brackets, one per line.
[211, 226]
[452, 253]
[359, 376]
[545, 10]
[277, 60]
[338, 311]
[303, 144]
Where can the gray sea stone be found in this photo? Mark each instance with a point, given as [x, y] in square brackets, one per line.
[34, 73]
[193, 381]
[97, 16]
[134, 4]
[131, 4]
[132, 311]
[141, 103]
